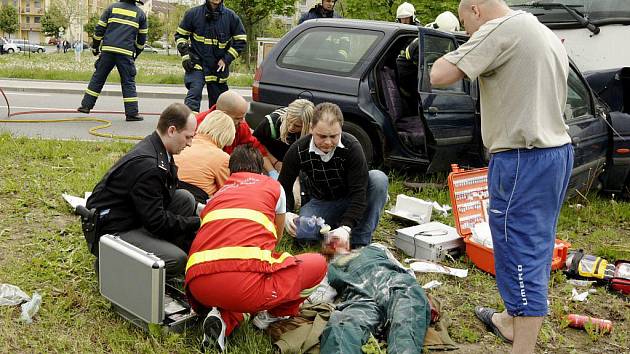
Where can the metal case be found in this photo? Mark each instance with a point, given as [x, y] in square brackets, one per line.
[132, 279]
[431, 241]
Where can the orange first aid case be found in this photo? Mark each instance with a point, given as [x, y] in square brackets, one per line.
[469, 200]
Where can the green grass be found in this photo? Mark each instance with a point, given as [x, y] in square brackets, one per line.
[42, 249]
[152, 68]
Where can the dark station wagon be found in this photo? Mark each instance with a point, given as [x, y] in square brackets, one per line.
[353, 63]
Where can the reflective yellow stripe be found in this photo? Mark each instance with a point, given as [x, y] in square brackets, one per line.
[97, 37]
[124, 22]
[233, 52]
[119, 11]
[143, 31]
[407, 54]
[139, 46]
[240, 37]
[221, 44]
[198, 67]
[107, 48]
[180, 40]
[211, 78]
[130, 99]
[101, 23]
[223, 80]
[253, 253]
[240, 213]
[185, 57]
[182, 31]
[91, 93]
[308, 292]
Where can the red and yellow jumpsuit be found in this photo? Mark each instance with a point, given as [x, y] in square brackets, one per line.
[232, 264]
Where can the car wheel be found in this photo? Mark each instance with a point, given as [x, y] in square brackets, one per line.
[10, 50]
[363, 138]
[40, 50]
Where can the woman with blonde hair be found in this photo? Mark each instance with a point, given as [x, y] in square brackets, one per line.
[283, 127]
[203, 167]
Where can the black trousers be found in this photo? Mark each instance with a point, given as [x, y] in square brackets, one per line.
[174, 252]
[127, 70]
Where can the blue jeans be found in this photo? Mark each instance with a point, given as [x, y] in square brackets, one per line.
[332, 210]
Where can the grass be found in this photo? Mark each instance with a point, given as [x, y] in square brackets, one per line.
[42, 249]
[152, 68]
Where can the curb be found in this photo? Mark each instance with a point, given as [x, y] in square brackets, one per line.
[103, 93]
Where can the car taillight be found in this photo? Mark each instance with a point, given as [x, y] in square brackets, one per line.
[256, 85]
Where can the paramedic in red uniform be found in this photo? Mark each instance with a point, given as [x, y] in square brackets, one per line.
[232, 267]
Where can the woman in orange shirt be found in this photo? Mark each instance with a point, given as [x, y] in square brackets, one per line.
[203, 167]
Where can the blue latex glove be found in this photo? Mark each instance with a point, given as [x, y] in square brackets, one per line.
[274, 174]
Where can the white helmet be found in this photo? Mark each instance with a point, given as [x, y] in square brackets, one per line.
[405, 10]
[445, 21]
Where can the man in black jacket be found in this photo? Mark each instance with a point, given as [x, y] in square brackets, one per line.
[324, 10]
[138, 197]
[343, 191]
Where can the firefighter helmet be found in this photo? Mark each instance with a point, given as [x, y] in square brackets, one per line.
[445, 21]
[405, 10]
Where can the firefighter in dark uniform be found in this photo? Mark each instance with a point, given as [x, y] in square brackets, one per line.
[324, 10]
[407, 69]
[120, 35]
[209, 38]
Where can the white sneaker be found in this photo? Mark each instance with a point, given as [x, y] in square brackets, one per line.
[213, 330]
[263, 319]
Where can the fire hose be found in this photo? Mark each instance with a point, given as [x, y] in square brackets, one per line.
[93, 131]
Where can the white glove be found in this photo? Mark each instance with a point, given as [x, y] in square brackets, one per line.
[343, 232]
[289, 223]
[199, 208]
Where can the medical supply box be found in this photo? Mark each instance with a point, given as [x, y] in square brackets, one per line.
[133, 280]
[431, 241]
[469, 200]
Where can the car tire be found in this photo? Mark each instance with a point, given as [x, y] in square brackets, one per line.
[10, 50]
[40, 50]
[363, 138]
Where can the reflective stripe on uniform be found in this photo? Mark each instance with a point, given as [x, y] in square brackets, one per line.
[107, 48]
[210, 78]
[223, 80]
[119, 11]
[130, 99]
[180, 40]
[124, 22]
[237, 252]
[97, 37]
[209, 41]
[233, 52]
[182, 31]
[240, 37]
[101, 23]
[240, 213]
[91, 93]
[143, 31]
[308, 292]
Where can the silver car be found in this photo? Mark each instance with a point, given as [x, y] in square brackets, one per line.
[25, 45]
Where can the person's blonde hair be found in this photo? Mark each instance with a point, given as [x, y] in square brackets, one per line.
[219, 127]
[299, 109]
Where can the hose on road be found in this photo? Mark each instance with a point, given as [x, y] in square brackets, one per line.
[93, 131]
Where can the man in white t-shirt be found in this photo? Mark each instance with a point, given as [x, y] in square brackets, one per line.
[522, 68]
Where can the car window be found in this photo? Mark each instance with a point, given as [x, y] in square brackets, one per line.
[578, 98]
[434, 48]
[329, 50]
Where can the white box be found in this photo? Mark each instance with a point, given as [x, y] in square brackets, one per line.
[412, 209]
[431, 241]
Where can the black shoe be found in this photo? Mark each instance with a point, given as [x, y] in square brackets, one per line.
[135, 118]
[84, 110]
[213, 331]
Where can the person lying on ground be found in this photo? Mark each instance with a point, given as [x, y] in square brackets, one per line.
[203, 167]
[233, 270]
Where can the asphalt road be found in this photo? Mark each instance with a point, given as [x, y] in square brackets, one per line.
[29, 101]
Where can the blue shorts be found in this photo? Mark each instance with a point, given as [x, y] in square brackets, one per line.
[527, 188]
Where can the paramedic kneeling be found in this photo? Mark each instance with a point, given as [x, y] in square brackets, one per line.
[138, 200]
[522, 69]
[232, 265]
[343, 191]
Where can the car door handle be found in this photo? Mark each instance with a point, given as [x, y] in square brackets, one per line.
[433, 110]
